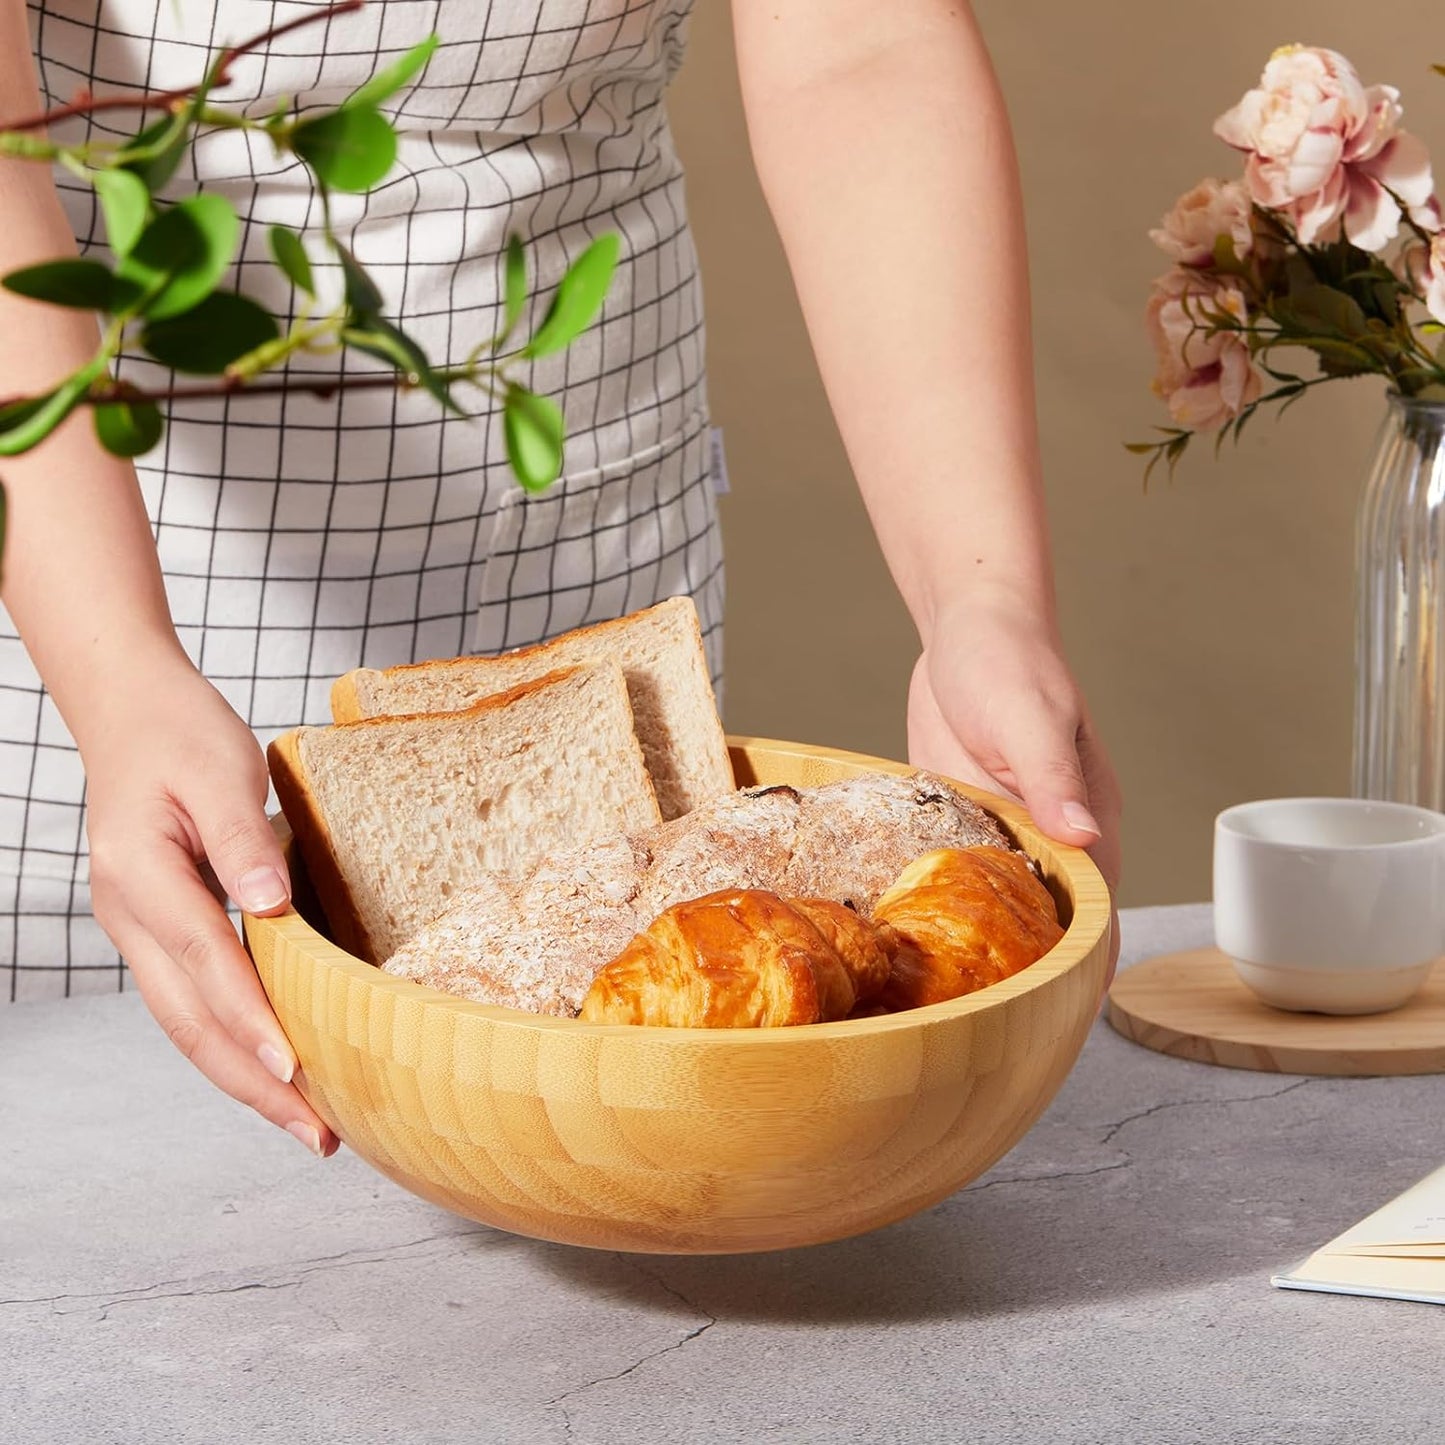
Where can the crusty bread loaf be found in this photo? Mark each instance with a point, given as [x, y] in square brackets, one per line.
[395, 816]
[661, 654]
[846, 840]
[537, 943]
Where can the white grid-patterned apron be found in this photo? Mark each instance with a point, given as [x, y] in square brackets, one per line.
[303, 536]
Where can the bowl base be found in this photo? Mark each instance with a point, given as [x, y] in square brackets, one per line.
[1323, 991]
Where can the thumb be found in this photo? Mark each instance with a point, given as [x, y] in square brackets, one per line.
[1050, 779]
[244, 853]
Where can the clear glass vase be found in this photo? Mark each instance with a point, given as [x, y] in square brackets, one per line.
[1400, 611]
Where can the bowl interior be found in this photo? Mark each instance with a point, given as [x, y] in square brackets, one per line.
[1080, 896]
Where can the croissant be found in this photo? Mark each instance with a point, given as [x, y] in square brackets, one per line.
[955, 920]
[962, 918]
[742, 958]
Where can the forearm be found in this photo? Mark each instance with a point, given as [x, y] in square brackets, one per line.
[80, 574]
[887, 162]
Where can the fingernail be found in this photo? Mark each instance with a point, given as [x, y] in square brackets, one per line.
[278, 1065]
[1079, 818]
[306, 1135]
[260, 889]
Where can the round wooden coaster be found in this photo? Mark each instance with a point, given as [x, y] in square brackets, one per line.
[1193, 1006]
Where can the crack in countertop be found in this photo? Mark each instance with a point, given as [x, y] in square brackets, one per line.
[181, 1289]
[558, 1402]
[1111, 1129]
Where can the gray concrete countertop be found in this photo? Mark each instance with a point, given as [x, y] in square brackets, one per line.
[171, 1269]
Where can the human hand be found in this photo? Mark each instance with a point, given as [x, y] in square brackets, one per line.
[992, 703]
[176, 787]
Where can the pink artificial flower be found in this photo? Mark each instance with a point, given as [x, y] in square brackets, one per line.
[1206, 378]
[1212, 209]
[1423, 268]
[1327, 152]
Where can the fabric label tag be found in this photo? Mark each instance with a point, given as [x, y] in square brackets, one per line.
[719, 463]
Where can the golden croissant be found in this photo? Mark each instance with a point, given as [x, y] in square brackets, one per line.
[742, 958]
[955, 920]
[963, 918]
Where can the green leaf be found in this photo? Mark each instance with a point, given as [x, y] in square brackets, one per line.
[81, 285]
[183, 254]
[385, 83]
[127, 429]
[533, 428]
[290, 255]
[514, 288]
[27, 423]
[578, 298]
[1315, 311]
[350, 150]
[369, 331]
[363, 299]
[126, 205]
[16, 412]
[156, 153]
[206, 339]
[1386, 296]
[161, 147]
[378, 337]
[1340, 358]
[1335, 309]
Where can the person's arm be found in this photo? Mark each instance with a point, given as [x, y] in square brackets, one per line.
[173, 775]
[883, 148]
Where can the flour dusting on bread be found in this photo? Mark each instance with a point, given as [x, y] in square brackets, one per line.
[846, 840]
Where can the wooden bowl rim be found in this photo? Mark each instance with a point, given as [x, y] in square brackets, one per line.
[1088, 930]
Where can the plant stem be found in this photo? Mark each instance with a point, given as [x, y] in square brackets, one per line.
[229, 119]
[86, 104]
[232, 385]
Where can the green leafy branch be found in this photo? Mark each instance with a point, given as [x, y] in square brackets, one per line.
[163, 293]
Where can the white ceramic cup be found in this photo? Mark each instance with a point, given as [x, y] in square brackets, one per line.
[1330, 905]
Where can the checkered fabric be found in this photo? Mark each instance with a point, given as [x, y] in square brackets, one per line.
[301, 536]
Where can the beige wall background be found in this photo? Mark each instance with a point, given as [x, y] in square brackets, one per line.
[1210, 620]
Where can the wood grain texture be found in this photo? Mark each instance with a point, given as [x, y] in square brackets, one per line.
[1193, 1006]
[690, 1140]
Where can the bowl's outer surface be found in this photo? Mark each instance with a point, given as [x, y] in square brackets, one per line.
[690, 1140]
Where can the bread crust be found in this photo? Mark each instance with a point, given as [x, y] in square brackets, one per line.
[345, 701]
[669, 710]
[313, 840]
[347, 690]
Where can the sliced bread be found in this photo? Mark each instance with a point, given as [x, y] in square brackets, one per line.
[396, 815]
[661, 654]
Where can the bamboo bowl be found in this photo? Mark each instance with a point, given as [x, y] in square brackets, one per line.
[689, 1141]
